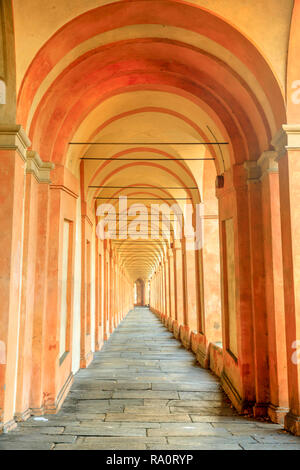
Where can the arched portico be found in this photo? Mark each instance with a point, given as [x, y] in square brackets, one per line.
[188, 107]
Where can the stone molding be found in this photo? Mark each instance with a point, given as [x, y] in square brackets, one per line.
[287, 138]
[170, 252]
[14, 138]
[253, 171]
[61, 187]
[177, 245]
[268, 162]
[35, 166]
[279, 143]
[292, 132]
[209, 217]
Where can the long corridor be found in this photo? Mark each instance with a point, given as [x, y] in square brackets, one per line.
[145, 391]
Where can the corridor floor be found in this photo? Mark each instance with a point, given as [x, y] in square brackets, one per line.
[145, 391]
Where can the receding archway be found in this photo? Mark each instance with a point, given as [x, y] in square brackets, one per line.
[172, 105]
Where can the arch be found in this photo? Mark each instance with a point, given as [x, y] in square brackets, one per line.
[140, 292]
[169, 105]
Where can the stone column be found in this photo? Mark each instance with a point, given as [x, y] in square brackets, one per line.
[289, 181]
[191, 285]
[40, 302]
[86, 354]
[156, 292]
[171, 283]
[116, 288]
[259, 313]
[274, 286]
[111, 292]
[13, 146]
[118, 293]
[237, 376]
[166, 291]
[210, 267]
[31, 322]
[180, 304]
[97, 296]
[159, 289]
[106, 290]
[163, 288]
[57, 376]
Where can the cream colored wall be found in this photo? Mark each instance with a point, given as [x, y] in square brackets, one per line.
[64, 285]
[7, 63]
[77, 292]
[2, 63]
[93, 276]
[264, 22]
[232, 324]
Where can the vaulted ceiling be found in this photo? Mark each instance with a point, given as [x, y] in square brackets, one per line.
[128, 79]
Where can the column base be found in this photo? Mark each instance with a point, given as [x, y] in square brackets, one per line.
[170, 324]
[98, 346]
[242, 406]
[176, 329]
[202, 358]
[19, 417]
[200, 349]
[260, 410]
[277, 414]
[185, 336]
[9, 426]
[38, 411]
[53, 408]
[292, 423]
[85, 361]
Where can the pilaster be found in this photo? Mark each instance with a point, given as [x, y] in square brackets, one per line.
[287, 144]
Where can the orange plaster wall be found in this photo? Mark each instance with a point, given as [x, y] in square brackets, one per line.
[239, 372]
[11, 193]
[216, 361]
[62, 206]
[27, 298]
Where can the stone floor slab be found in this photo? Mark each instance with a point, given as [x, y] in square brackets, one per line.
[144, 391]
[154, 418]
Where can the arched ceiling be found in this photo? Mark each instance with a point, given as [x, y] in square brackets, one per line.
[122, 72]
[265, 22]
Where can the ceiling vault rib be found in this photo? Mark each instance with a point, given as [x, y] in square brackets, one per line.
[144, 187]
[147, 198]
[148, 143]
[170, 159]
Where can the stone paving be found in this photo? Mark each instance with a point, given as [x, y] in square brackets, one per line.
[145, 391]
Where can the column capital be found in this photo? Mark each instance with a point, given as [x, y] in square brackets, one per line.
[14, 138]
[268, 162]
[177, 244]
[253, 171]
[191, 244]
[35, 166]
[189, 237]
[170, 253]
[292, 132]
[279, 143]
